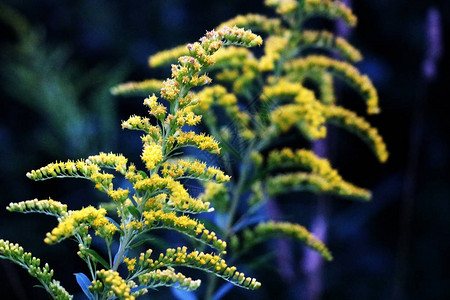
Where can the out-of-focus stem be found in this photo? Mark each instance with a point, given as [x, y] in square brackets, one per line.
[429, 71]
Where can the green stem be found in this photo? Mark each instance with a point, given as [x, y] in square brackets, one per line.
[122, 248]
[212, 279]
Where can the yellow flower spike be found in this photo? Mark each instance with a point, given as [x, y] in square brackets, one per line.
[301, 181]
[183, 224]
[142, 88]
[152, 155]
[230, 57]
[330, 9]
[117, 162]
[168, 277]
[306, 159]
[345, 71]
[254, 22]
[203, 261]
[326, 40]
[285, 229]
[358, 125]
[167, 56]
[201, 141]
[193, 169]
[283, 7]
[79, 169]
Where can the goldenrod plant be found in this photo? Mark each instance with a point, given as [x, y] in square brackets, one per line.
[259, 101]
[156, 198]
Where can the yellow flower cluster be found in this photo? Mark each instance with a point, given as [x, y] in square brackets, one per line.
[185, 116]
[254, 22]
[249, 73]
[272, 52]
[155, 203]
[342, 69]
[131, 264]
[183, 224]
[180, 199]
[168, 56]
[114, 284]
[286, 89]
[64, 169]
[79, 169]
[199, 260]
[193, 169]
[119, 195]
[300, 181]
[79, 220]
[136, 123]
[50, 207]
[148, 184]
[103, 181]
[212, 95]
[283, 7]
[186, 74]
[109, 160]
[349, 120]
[142, 88]
[330, 9]
[218, 95]
[230, 57]
[168, 277]
[326, 40]
[306, 113]
[271, 229]
[156, 109]
[306, 159]
[201, 141]
[152, 155]
[16, 254]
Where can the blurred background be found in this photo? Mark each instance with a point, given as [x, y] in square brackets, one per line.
[58, 60]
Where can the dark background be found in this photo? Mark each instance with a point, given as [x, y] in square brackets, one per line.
[55, 105]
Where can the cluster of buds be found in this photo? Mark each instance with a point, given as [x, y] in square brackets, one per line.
[50, 207]
[117, 162]
[266, 230]
[168, 277]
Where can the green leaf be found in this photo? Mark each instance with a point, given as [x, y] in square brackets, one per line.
[134, 211]
[143, 174]
[96, 257]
